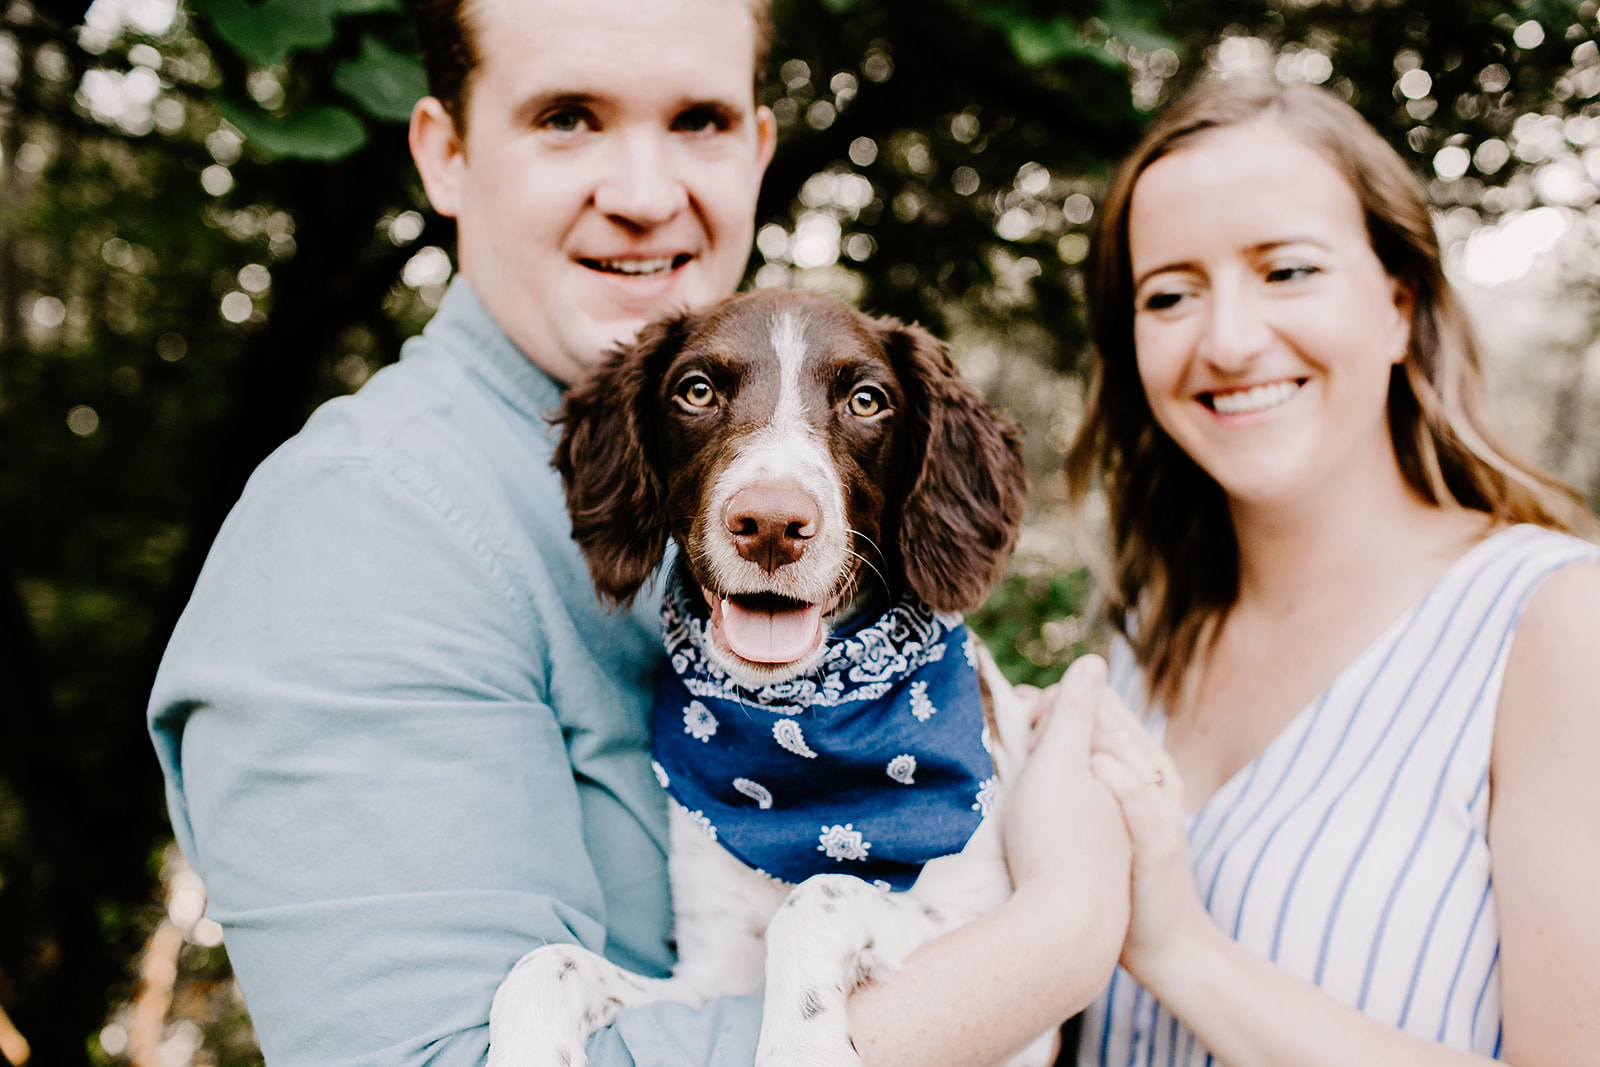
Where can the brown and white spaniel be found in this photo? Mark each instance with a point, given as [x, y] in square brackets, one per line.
[812, 464]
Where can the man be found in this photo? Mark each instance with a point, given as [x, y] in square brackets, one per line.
[403, 742]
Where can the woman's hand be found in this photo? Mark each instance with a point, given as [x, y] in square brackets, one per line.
[1168, 918]
[1050, 816]
[979, 992]
[1038, 702]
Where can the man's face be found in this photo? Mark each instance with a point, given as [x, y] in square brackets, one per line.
[610, 168]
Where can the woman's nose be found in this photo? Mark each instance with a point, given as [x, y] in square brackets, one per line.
[1236, 328]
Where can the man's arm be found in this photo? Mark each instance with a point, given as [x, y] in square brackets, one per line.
[364, 769]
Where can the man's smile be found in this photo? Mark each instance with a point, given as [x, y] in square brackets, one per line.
[635, 266]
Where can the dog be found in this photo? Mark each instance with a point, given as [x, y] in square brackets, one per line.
[836, 493]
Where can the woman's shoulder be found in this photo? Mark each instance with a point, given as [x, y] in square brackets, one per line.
[1524, 559]
[1562, 614]
[1550, 683]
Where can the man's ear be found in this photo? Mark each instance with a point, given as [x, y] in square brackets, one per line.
[439, 154]
[766, 137]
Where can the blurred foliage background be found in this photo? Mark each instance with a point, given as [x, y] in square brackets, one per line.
[209, 224]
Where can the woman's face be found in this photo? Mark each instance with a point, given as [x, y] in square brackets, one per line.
[1264, 324]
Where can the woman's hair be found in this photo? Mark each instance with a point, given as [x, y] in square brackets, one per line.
[1174, 568]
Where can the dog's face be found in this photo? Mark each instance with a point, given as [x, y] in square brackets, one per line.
[783, 436]
[801, 454]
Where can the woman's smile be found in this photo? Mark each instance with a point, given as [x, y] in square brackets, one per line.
[1251, 399]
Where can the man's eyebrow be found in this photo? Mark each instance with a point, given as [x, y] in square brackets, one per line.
[728, 110]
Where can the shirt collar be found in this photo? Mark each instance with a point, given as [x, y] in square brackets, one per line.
[464, 328]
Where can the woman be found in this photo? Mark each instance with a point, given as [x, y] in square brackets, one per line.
[1362, 633]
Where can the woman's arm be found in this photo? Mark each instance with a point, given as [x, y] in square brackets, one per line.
[1544, 826]
[1544, 838]
[982, 992]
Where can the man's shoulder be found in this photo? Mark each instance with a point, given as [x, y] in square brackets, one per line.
[414, 407]
[427, 458]
[428, 418]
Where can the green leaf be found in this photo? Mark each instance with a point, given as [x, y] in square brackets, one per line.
[362, 7]
[266, 34]
[1137, 24]
[386, 83]
[1038, 43]
[841, 5]
[322, 133]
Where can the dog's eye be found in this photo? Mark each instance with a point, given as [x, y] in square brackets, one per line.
[866, 402]
[697, 393]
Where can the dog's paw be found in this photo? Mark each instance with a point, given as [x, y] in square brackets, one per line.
[799, 1056]
[553, 999]
[806, 1026]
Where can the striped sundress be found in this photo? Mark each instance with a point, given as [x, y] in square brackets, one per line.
[1353, 850]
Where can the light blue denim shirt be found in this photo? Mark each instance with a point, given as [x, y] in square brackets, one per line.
[404, 743]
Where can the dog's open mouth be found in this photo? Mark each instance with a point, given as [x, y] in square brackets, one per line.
[765, 628]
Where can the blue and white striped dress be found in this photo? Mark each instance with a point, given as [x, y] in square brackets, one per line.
[1353, 850]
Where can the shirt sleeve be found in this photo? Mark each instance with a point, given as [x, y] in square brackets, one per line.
[363, 767]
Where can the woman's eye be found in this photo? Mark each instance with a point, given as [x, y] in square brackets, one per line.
[866, 402]
[697, 393]
[1162, 301]
[1290, 273]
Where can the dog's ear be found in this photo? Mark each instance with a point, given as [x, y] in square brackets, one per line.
[614, 492]
[968, 484]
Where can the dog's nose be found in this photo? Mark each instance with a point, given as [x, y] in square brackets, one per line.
[771, 523]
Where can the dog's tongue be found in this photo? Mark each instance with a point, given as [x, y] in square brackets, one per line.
[762, 636]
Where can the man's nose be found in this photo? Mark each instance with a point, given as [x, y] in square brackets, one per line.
[642, 188]
[1237, 330]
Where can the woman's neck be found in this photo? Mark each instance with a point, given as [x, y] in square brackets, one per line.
[1366, 525]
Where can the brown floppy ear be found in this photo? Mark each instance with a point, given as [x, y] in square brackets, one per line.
[614, 492]
[968, 483]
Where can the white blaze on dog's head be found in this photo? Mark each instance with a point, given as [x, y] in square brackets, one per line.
[786, 454]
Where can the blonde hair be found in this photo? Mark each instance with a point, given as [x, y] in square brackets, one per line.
[1175, 562]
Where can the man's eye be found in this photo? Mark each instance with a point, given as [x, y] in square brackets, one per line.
[697, 393]
[702, 118]
[567, 120]
[866, 402]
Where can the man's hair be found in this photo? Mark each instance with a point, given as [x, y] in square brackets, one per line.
[448, 41]
[1174, 571]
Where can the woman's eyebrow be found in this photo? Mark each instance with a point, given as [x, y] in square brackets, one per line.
[1260, 248]
[1167, 268]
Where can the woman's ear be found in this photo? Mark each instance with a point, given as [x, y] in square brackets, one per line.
[614, 492]
[1405, 308]
[969, 488]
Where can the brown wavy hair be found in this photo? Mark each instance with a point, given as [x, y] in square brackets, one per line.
[447, 40]
[1173, 573]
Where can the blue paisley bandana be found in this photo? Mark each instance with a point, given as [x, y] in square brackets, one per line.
[872, 765]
